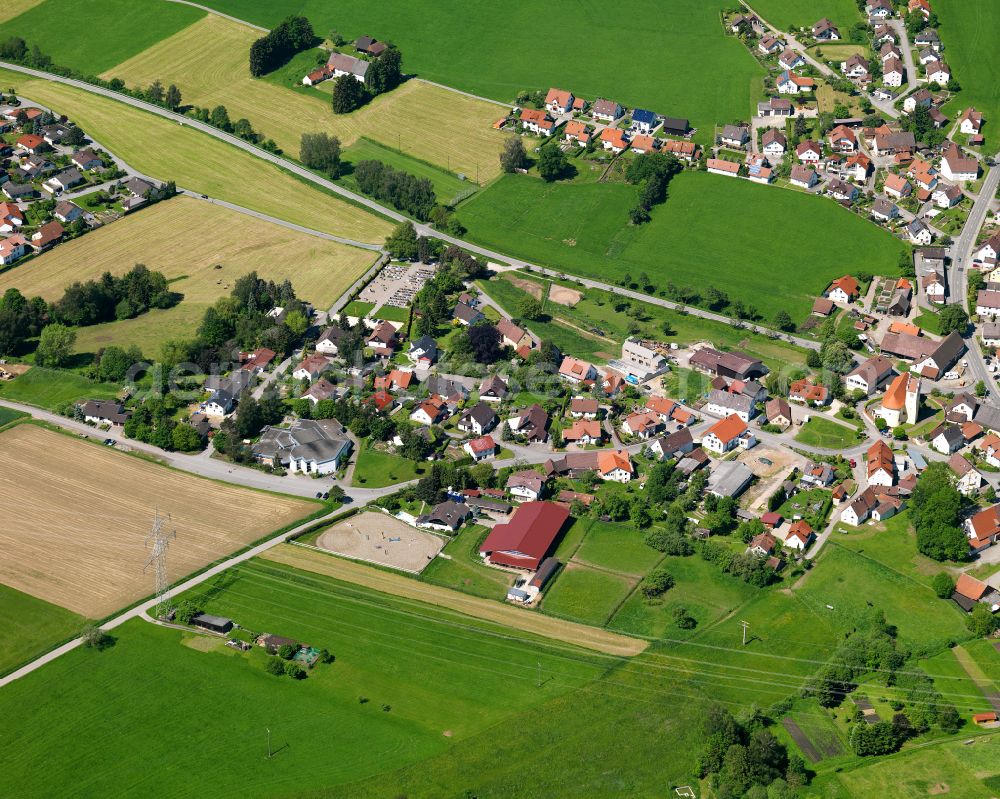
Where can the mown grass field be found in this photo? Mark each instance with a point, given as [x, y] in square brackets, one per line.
[7, 415]
[587, 595]
[376, 469]
[229, 244]
[208, 62]
[50, 388]
[98, 34]
[616, 547]
[892, 543]
[710, 231]
[30, 626]
[571, 329]
[790, 14]
[475, 51]
[196, 161]
[968, 30]
[463, 569]
[820, 432]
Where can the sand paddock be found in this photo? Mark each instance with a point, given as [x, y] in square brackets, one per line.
[564, 295]
[379, 538]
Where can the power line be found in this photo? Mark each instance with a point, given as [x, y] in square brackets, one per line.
[160, 540]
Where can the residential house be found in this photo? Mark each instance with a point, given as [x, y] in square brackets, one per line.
[670, 411]
[642, 425]
[32, 144]
[878, 10]
[66, 179]
[970, 480]
[844, 290]
[762, 545]
[897, 186]
[606, 110]
[946, 438]
[12, 249]
[938, 72]
[988, 252]
[718, 166]
[884, 34]
[584, 408]
[778, 412]
[615, 465]
[643, 121]
[803, 176]
[330, 339]
[493, 389]
[383, 339]
[825, 31]
[983, 528]
[86, 160]
[531, 422]
[537, 122]
[881, 465]
[857, 167]
[311, 367]
[138, 187]
[526, 486]
[512, 336]
[11, 217]
[614, 139]
[933, 285]
[823, 307]
[340, 64]
[842, 190]
[466, 314]
[809, 152]
[919, 233]
[578, 131]
[947, 196]
[728, 434]
[860, 510]
[319, 390]
[423, 352]
[445, 517]
[726, 403]
[769, 45]
[893, 72]
[583, 432]
[856, 66]
[558, 101]
[256, 362]
[773, 143]
[674, 445]
[432, 410]
[800, 535]
[479, 419]
[576, 371]
[480, 448]
[819, 475]
[685, 150]
[102, 412]
[66, 212]
[869, 376]
[884, 210]
[888, 50]
[928, 37]
[790, 83]
[791, 59]
[735, 136]
[970, 122]
[921, 97]
[809, 393]
[674, 126]
[941, 358]
[775, 107]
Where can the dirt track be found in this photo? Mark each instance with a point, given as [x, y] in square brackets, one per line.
[76, 517]
[397, 585]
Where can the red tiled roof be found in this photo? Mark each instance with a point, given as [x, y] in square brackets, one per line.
[527, 538]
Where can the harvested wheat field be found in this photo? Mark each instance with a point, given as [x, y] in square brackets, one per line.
[160, 238]
[14, 8]
[77, 516]
[207, 61]
[383, 539]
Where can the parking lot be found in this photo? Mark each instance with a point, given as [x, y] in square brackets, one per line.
[396, 285]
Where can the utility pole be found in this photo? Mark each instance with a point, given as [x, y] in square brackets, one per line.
[268, 743]
[539, 674]
[746, 626]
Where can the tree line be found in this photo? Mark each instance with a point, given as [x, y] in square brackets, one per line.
[292, 35]
[405, 192]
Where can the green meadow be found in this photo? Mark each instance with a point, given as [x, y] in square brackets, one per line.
[50, 388]
[31, 626]
[712, 231]
[791, 14]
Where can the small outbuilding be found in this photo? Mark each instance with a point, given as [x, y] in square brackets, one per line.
[214, 624]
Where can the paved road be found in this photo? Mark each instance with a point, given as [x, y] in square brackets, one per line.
[145, 607]
[904, 44]
[961, 259]
[220, 14]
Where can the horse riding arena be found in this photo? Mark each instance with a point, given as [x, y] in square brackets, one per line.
[77, 515]
[383, 539]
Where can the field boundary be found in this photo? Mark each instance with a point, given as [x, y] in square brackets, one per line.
[351, 571]
[978, 676]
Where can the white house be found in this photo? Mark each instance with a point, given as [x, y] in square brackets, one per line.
[480, 448]
[773, 143]
[971, 121]
[969, 478]
[13, 248]
[893, 72]
[615, 465]
[790, 83]
[957, 167]
[919, 233]
[809, 152]
[938, 72]
[728, 434]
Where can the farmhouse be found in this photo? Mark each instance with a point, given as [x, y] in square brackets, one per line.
[524, 541]
[309, 446]
[869, 376]
[339, 64]
[844, 289]
[728, 434]
[733, 365]
[956, 167]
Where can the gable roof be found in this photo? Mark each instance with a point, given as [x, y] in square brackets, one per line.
[728, 429]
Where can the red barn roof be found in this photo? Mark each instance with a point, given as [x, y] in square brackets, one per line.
[527, 538]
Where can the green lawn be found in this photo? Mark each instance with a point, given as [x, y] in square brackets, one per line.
[572, 329]
[50, 388]
[790, 14]
[431, 679]
[447, 186]
[616, 547]
[463, 570]
[99, 34]
[686, 384]
[475, 51]
[393, 314]
[954, 683]
[803, 504]
[31, 626]
[968, 29]
[357, 308]
[708, 226]
[850, 582]
[699, 587]
[820, 432]
[929, 321]
[378, 469]
[7, 415]
[892, 543]
[585, 594]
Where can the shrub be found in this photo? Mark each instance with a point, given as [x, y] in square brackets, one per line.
[656, 582]
[275, 666]
[294, 670]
